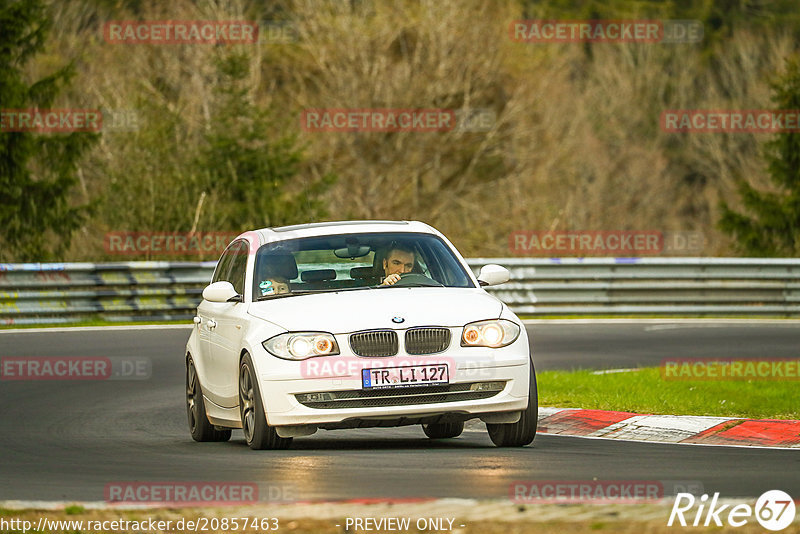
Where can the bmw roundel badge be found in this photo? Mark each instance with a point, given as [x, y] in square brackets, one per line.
[398, 320]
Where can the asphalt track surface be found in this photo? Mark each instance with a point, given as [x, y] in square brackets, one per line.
[66, 441]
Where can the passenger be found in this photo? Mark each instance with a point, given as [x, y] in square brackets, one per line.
[274, 286]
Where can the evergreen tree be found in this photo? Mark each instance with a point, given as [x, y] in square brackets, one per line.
[772, 227]
[251, 163]
[37, 170]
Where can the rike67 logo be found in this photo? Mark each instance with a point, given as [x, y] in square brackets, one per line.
[774, 510]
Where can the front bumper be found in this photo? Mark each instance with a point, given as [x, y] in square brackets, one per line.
[491, 381]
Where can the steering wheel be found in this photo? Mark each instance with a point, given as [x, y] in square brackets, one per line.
[416, 279]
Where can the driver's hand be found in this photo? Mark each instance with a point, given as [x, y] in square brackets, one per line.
[391, 279]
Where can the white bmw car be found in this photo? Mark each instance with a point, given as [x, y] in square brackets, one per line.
[351, 325]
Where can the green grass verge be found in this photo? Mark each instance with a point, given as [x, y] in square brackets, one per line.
[645, 391]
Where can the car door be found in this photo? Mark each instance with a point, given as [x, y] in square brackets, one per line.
[226, 335]
[206, 329]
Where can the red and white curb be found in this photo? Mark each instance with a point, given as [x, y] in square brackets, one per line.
[669, 428]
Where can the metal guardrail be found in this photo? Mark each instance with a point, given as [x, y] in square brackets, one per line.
[122, 292]
[651, 286]
[39, 293]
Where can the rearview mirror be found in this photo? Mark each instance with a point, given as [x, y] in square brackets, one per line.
[352, 251]
[493, 275]
[220, 292]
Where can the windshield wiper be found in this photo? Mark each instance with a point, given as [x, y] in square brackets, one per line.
[291, 294]
[411, 284]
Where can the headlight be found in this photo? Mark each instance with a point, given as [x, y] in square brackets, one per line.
[492, 333]
[301, 345]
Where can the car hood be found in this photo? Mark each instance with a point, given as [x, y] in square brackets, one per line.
[347, 311]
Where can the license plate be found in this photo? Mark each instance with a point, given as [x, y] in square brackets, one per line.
[398, 377]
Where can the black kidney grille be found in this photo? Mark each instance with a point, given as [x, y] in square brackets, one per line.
[374, 344]
[427, 340]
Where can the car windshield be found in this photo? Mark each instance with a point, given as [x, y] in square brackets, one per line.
[354, 261]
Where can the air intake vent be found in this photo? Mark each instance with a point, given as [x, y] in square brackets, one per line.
[374, 344]
[427, 340]
[332, 400]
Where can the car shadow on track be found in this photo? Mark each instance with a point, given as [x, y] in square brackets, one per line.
[375, 441]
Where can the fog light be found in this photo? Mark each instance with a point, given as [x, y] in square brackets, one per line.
[315, 397]
[487, 386]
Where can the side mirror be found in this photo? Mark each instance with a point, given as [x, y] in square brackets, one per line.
[493, 275]
[220, 292]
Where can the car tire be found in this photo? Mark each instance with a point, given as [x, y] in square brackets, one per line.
[257, 433]
[199, 425]
[523, 431]
[443, 430]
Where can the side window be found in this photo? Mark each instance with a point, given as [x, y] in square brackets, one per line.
[223, 265]
[238, 266]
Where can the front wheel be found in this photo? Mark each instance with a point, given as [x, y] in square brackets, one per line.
[443, 430]
[258, 434]
[523, 431]
[199, 425]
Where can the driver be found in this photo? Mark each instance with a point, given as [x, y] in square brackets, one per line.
[398, 260]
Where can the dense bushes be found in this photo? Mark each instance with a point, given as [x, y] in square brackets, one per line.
[576, 144]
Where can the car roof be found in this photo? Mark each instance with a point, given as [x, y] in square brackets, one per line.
[341, 227]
